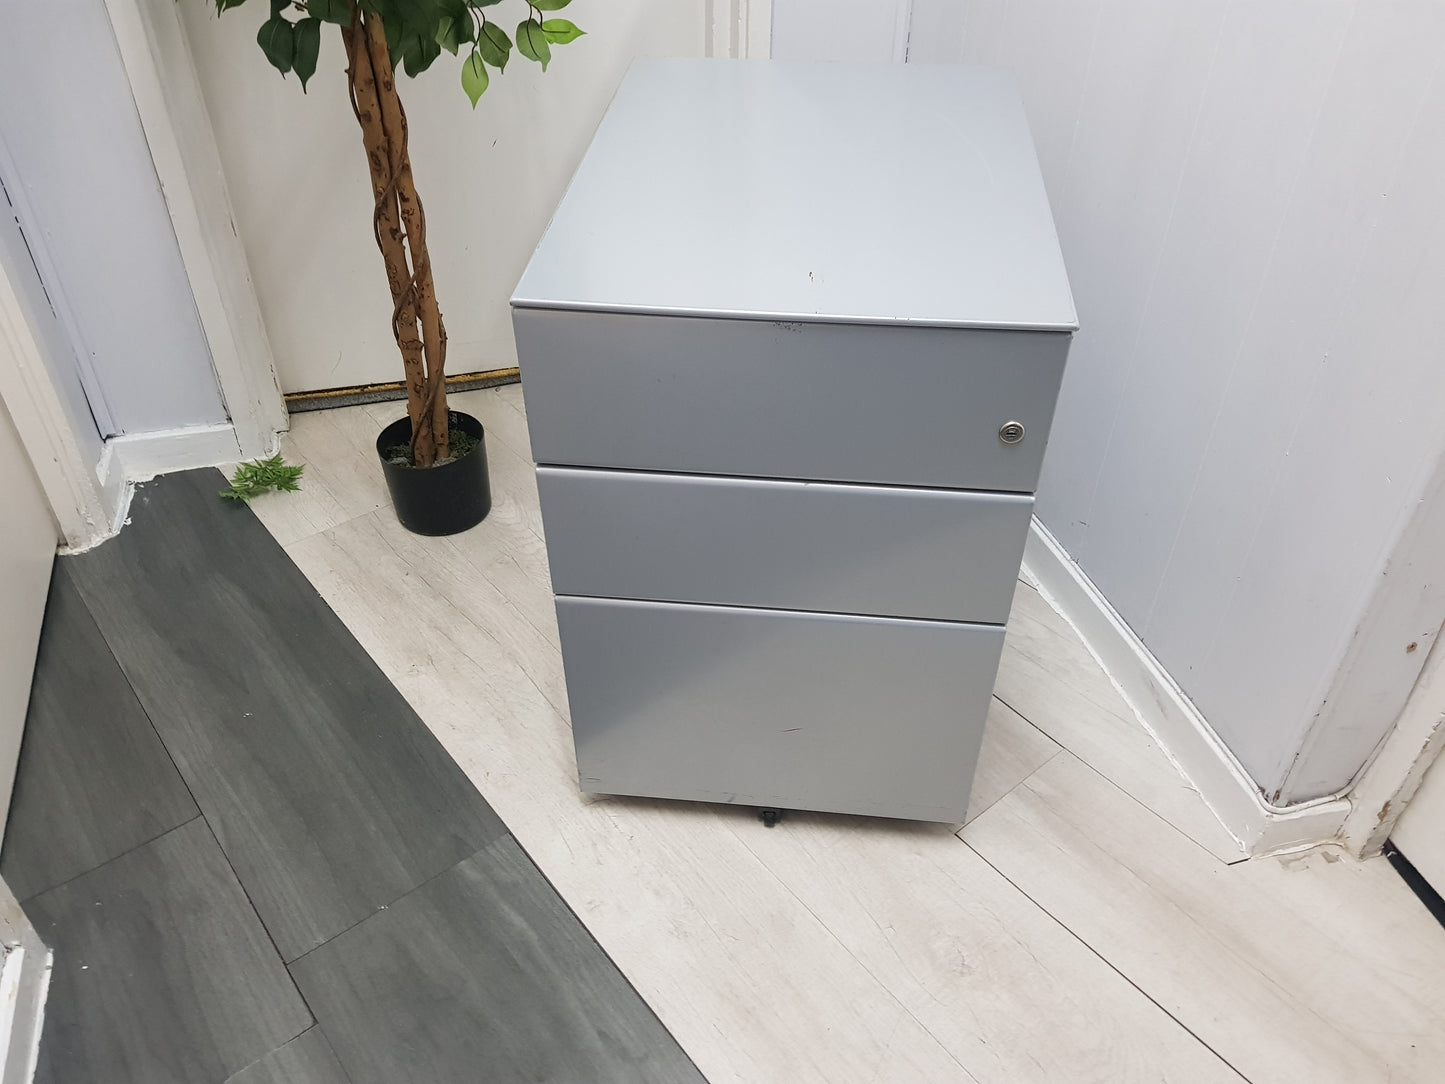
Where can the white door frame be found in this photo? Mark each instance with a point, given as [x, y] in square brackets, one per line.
[84, 511]
[172, 109]
[742, 29]
[1390, 779]
[89, 499]
[24, 987]
[1387, 785]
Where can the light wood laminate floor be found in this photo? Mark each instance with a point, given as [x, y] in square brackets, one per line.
[1091, 922]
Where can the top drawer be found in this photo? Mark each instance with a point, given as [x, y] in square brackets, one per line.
[833, 402]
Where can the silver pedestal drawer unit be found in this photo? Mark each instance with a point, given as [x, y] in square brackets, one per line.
[790, 349]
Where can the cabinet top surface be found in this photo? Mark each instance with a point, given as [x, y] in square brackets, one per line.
[815, 192]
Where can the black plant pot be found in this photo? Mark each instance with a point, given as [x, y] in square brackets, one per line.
[438, 500]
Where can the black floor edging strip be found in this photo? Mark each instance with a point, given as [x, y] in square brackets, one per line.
[1433, 901]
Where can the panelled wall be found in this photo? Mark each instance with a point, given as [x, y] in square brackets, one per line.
[1248, 198]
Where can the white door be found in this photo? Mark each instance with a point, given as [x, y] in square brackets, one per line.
[27, 548]
[1419, 834]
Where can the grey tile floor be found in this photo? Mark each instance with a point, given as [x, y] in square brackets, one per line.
[255, 863]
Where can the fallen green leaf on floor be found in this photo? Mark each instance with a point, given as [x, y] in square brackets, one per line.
[260, 475]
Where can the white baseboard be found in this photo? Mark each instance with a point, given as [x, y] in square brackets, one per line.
[138, 457]
[1174, 722]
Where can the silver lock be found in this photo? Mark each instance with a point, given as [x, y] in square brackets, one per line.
[1011, 432]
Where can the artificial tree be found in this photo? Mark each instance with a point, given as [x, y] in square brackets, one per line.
[378, 35]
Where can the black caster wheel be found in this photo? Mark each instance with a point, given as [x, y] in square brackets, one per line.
[770, 817]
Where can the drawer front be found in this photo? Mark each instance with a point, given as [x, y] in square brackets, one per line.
[835, 402]
[775, 708]
[945, 554]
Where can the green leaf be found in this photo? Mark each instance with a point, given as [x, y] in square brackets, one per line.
[222, 6]
[454, 24]
[483, 3]
[418, 16]
[561, 31]
[278, 41]
[330, 11]
[254, 478]
[447, 35]
[475, 78]
[494, 46]
[308, 45]
[419, 53]
[532, 42]
[550, 5]
[278, 6]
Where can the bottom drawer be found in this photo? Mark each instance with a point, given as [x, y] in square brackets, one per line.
[777, 708]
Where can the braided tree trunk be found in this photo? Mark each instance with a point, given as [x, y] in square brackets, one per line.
[400, 227]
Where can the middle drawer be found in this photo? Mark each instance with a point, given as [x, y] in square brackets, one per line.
[888, 551]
